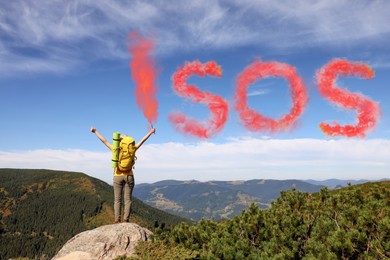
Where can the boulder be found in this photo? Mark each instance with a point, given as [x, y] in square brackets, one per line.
[105, 242]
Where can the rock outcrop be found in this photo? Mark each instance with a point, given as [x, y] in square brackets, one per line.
[105, 242]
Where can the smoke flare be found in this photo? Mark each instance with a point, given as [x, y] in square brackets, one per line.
[218, 106]
[259, 70]
[144, 74]
[367, 110]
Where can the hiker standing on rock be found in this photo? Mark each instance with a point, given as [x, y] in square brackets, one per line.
[123, 171]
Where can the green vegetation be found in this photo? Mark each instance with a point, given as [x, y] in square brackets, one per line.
[41, 209]
[350, 223]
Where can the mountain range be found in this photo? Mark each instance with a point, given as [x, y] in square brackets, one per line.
[223, 199]
[215, 199]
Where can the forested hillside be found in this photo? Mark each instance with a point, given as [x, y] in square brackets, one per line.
[350, 223]
[41, 209]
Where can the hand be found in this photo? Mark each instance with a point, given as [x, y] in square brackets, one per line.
[93, 129]
[153, 130]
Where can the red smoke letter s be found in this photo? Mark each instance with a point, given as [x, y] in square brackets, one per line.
[367, 110]
[218, 106]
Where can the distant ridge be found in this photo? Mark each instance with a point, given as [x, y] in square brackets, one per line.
[224, 199]
[215, 199]
[342, 183]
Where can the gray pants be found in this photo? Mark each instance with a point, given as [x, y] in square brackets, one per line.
[126, 184]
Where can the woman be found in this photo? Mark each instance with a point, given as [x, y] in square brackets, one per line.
[122, 180]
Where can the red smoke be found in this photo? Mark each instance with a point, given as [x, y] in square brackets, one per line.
[257, 71]
[144, 74]
[367, 110]
[218, 106]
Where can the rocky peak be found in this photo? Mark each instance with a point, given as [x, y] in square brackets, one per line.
[105, 242]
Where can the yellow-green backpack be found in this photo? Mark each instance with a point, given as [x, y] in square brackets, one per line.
[127, 156]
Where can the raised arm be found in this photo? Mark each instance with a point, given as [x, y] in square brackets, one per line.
[152, 131]
[104, 141]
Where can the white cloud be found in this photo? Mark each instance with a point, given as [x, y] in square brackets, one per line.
[257, 92]
[88, 30]
[334, 21]
[238, 159]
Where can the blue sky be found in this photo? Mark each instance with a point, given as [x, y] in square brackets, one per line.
[64, 67]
